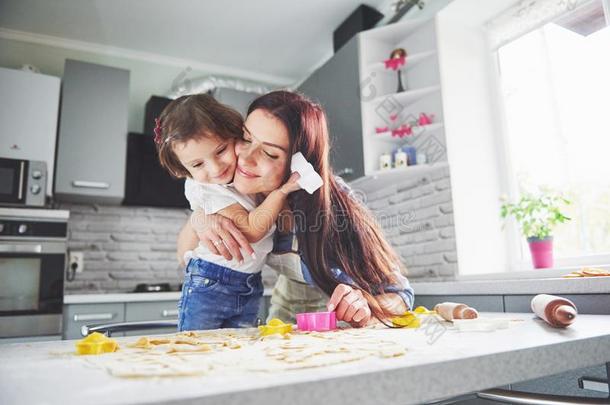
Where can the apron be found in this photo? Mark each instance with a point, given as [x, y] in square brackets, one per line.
[291, 293]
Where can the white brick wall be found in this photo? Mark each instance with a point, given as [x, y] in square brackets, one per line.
[416, 214]
[124, 246]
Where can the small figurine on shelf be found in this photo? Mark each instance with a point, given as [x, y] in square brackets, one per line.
[411, 153]
[425, 119]
[401, 159]
[385, 161]
[398, 58]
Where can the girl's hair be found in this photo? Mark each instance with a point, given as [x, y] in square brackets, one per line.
[332, 227]
[192, 117]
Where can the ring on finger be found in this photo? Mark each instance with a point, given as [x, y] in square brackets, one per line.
[217, 242]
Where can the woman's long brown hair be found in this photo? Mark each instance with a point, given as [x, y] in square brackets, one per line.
[332, 227]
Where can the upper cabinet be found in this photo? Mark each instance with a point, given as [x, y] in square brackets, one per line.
[336, 87]
[29, 117]
[92, 141]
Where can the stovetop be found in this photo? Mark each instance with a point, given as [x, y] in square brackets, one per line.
[158, 287]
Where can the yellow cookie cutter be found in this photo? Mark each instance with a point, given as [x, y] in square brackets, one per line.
[275, 326]
[96, 343]
[421, 310]
[410, 319]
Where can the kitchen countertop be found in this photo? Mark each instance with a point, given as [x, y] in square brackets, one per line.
[452, 364]
[580, 285]
[584, 285]
[128, 297]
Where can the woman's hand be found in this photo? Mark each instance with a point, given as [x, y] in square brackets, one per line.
[220, 236]
[350, 306]
[292, 184]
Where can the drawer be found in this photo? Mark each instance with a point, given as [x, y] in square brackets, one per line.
[566, 383]
[482, 303]
[151, 311]
[593, 304]
[76, 316]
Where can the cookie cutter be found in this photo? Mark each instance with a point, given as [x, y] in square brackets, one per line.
[275, 326]
[96, 343]
[411, 319]
[317, 321]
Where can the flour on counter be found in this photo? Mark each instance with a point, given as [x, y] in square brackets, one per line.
[199, 353]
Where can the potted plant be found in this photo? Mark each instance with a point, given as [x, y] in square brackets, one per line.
[537, 215]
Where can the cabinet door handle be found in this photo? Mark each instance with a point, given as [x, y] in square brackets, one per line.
[166, 313]
[21, 174]
[90, 184]
[529, 398]
[21, 248]
[92, 317]
[345, 171]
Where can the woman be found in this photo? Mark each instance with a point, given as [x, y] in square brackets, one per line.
[329, 240]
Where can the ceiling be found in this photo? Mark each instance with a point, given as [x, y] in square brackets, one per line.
[277, 38]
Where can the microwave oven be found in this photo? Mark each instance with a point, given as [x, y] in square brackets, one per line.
[22, 182]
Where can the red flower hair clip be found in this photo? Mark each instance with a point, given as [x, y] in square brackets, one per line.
[158, 135]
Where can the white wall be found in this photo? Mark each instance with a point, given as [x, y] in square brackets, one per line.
[472, 132]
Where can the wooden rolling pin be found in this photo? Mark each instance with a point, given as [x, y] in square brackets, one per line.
[556, 311]
[453, 310]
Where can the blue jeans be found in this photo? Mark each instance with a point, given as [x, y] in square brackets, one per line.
[215, 297]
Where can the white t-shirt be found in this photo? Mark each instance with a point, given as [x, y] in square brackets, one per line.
[213, 198]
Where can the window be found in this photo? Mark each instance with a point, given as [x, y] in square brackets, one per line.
[555, 90]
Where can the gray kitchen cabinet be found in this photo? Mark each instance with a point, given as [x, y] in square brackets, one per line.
[568, 383]
[483, 303]
[78, 315]
[92, 141]
[336, 86]
[593, 304]
[151, 311]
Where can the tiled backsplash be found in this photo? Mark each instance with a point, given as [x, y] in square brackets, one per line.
[124, 246]
[416, 214]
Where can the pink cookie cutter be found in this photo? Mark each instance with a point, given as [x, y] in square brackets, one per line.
[317, 321]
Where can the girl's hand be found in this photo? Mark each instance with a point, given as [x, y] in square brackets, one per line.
[350, 306]
[220, 235]
[291, 185]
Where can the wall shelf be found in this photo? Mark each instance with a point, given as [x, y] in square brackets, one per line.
[409, 96]
[378, 98]
[387, 136]
[380, 178]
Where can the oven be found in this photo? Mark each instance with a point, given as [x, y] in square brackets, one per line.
[22, 182]
[32, 267]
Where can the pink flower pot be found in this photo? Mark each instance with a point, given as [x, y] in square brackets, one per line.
[542, 252]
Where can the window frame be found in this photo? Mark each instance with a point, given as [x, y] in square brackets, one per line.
[516, 244]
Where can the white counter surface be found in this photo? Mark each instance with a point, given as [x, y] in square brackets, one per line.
[454, 363]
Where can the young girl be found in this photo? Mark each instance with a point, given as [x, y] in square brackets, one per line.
[195, 137]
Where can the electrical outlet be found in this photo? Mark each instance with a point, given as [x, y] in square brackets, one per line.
[77, 262]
